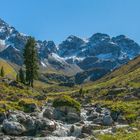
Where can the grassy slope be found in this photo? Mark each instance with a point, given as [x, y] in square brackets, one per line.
[8, 69]
[127, 79]
[125, 76]
[112, 90]
[10, 96]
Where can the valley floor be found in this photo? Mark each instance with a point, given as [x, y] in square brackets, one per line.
[110, 108]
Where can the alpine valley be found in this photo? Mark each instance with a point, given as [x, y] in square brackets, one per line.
[82, 59]
[87, 89]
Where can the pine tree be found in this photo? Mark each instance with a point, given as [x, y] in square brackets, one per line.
[17, 77]
[2, 73]
[81, 91]
[30, 61]
[21, 76]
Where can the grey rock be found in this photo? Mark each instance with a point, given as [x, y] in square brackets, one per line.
[17, 116]
[30, 124]
[107, 120]
[67, 114]
[46, 124]
[13, 128]
[2, 117]
[75, 130]
[87, 129]
[72, 117]
[48, 113]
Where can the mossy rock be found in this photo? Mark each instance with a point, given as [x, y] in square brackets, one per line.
[28, 106]
[66, 101]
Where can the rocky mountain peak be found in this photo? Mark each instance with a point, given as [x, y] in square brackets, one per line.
[99, 51]
[51, 47]
[2, 22]
[70, 45]
[99, 37]
[120, 37]
[12, 54]
[73, 38]
[47, 47]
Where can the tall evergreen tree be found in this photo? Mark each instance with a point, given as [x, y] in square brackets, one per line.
[17, 77]
[30, 61]
[21, 76]
[2, 73]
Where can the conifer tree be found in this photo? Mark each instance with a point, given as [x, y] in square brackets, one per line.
[21, 76]
[30, 61]
[81, 91]
[17, 77]
[2, 73]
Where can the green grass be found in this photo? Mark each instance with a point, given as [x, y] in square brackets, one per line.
[8, 69]
[10, 96]
[121, 134]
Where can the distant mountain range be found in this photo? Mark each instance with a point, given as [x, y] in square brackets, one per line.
[86, 59]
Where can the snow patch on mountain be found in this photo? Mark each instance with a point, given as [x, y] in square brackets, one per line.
[58, 58]
[74, 58]
[2, 42]
[43, 64]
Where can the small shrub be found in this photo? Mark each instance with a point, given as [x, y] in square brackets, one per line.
[131, 117]
[66, 101]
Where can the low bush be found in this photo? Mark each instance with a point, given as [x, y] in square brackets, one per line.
[66, 101]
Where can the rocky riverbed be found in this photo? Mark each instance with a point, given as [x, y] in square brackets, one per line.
[61, 123]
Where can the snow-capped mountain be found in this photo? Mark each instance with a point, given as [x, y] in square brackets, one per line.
[12, 44]
[99, 52]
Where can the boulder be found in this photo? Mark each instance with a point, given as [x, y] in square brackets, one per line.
[107, 120]
[36, 125]
[66, 113]
[72, 117]
[58, 115]
[87, 129]
[13, 128]
[45, 124]
[98, 120]
[30, 125]
[75, 130]
[28, 106]
[48, 113]
[17, 116]
[2, 117]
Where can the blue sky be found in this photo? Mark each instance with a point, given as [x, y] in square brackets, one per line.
[57, 19]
